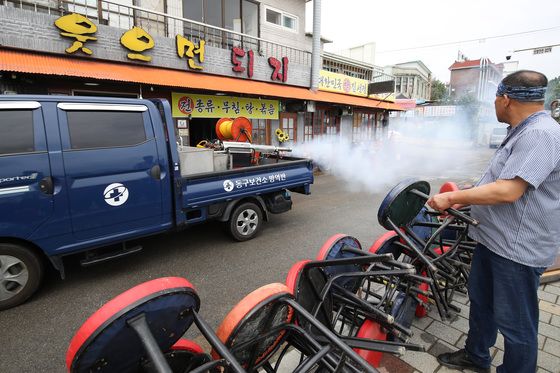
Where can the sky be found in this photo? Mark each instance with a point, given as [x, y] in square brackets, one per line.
[476, 28]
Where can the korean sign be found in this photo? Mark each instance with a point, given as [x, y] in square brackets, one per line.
[78, 27]
[229, 185]
[207, 106]
[138, 41]
[340, 83]
[542, 50]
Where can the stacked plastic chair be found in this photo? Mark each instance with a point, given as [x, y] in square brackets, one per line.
[141, 330]
[436, 245]
[267, 331]
[354, 294]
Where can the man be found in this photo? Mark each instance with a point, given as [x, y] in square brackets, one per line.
[517, 202]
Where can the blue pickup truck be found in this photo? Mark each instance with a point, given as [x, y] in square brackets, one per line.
[88, 174]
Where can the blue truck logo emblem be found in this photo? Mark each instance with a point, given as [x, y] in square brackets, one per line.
[33, 176]
[115, 194]
[228, 185]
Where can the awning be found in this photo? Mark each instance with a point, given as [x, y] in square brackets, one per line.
[46, 64]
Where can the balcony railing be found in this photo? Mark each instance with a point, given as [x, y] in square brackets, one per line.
[119, 14]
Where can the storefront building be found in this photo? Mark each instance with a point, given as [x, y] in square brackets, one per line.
[228, 59]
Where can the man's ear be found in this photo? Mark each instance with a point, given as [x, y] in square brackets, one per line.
[507, 101]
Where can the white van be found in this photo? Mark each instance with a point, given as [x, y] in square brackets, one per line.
[497, 136]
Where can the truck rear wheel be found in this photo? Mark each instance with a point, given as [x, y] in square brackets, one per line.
[21, 271]
[245, 221]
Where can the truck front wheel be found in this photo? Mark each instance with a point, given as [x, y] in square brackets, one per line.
[245, 221]
[21, 272]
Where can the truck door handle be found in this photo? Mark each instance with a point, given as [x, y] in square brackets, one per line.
[155, 172]
[46, 185]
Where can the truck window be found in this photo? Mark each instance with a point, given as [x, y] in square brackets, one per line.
[16, 131]
[105, 129]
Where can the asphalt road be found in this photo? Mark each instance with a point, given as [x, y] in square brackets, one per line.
[35, 336]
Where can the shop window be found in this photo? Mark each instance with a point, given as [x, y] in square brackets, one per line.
[102, 129]
[358, 127]
[321, 123]
[364, 127]
[261, 131]
[331, 124]
[16, 127]
[288, 124]
[318, 116]
[308, 127]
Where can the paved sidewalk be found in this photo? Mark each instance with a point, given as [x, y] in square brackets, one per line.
[439, 337]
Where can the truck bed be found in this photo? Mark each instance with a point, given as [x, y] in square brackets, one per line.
[272, 174]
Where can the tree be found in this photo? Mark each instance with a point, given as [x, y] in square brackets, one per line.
[468, 100]
[552, 92]
[440, 92]
[471, 106]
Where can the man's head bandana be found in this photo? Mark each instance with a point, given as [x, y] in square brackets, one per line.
[521, 93]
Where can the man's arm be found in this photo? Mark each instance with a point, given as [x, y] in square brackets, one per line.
[500, 191]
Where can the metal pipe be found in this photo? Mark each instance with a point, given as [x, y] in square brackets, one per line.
[316, 49]
[140, 326]
[412, 245]
[247, 147]
[451, 211]
[217, 344]
[332, 338]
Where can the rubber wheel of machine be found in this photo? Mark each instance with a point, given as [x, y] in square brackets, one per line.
[245, 221]
[18, 263]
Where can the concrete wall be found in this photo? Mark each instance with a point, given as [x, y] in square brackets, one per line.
[24, 29]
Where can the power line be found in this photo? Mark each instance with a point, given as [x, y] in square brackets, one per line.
[471, 40]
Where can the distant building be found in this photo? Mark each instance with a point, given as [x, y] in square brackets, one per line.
[340, 64]
[476, 78]
[510, 67]
[412, 79]
[364, 53]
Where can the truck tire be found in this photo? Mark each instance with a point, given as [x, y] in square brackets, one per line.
[245, 221]
[21, 271]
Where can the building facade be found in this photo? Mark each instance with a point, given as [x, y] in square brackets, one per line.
[412, 80]
[368, 80]
[210, 58]
[478, 79]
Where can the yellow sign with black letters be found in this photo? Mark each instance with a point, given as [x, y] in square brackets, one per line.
[207, 106]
